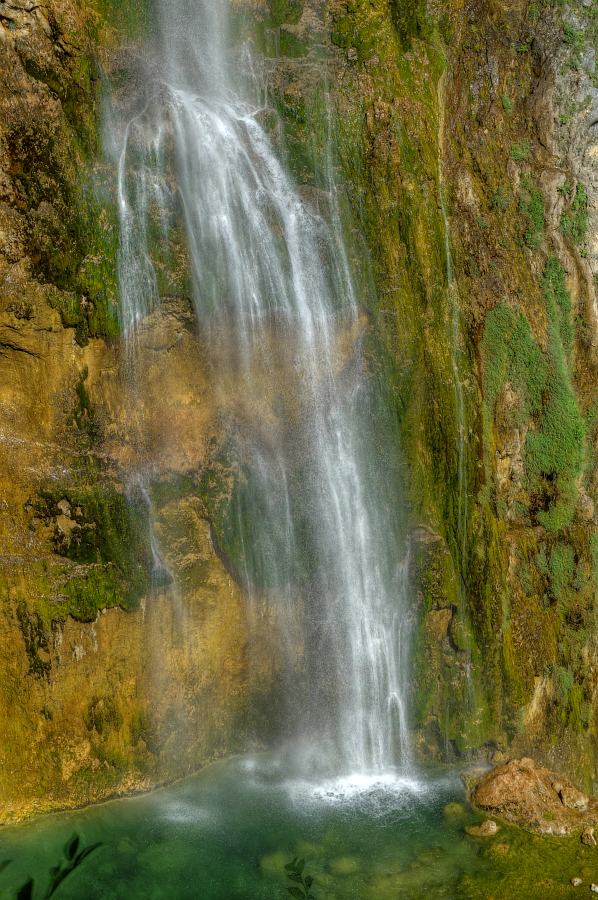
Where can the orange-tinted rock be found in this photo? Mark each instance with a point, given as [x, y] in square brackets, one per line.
[536, 798]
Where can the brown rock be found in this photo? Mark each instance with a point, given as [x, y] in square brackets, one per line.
[535, 798]
[570, 796]
[587, 836]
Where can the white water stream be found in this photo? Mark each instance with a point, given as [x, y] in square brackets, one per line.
[275, 301]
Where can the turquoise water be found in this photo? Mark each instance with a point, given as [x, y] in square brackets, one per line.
[227, 833]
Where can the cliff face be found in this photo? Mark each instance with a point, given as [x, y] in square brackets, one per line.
[520, 154]
[477, 190]
[106, 682]
[465, 138]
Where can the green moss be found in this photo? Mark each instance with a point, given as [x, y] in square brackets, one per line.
[510, 354]
[561, 570]
[130, 19]
[575, 41]
[520, 152]
[501, 199]
[102, 714]
[558, 299]
[109, 534]
[594, 557]
[410, 18]
[171, 489]
[35, 638]
[563, 682]
[555, 453]
[100, 588]
[531, 207]
[286, 11]
[83, 414]
[574, 219]
[554, 450]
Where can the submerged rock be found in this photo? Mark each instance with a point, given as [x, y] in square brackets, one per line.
[535, 798]
[486, 829]
[453, 811]
[345, 865]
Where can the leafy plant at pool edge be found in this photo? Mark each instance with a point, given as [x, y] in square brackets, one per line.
[302, 887]
[73, 857]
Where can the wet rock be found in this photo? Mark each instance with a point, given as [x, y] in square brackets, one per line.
[453, 811]
[535, 798]
[486, 829]
[345, 865]
[274, 863]
[570, 796]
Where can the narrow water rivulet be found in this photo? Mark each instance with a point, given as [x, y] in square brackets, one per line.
[316, 516]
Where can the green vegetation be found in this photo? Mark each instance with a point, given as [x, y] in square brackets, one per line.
[507, 104]
[555, 453]
[74, 855]
[574, 220]
[501, 199]
[520, 152]
[531, 206]
[283, 12]
[410, 20]
[301, 889]
[102, 714]
[83, 267]
[574, 39]
[594, 557]
[558, 301]
[511, 354]
[561, 570]
[555, 447]
[106, 531]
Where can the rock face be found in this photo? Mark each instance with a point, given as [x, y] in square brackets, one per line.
[109, 681]
[536, 798]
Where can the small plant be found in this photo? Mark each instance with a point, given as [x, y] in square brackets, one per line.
[532, 207]
[574, 221]
[574, 39]
[301, 889]
[520, 152]
[73, 857]
[501, 199]
[507, 104]
[566, 189]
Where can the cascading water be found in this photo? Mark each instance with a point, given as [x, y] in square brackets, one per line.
[315, 516]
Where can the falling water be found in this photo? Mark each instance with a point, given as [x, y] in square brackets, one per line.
[315, 512]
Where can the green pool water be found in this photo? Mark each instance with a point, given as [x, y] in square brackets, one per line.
[227, 833]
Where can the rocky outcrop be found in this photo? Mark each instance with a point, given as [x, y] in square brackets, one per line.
[535, 798]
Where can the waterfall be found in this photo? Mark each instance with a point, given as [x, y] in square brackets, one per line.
[316, 515]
